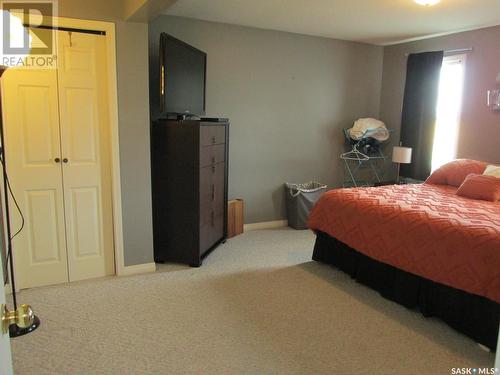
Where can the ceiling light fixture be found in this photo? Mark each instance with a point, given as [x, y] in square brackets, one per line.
[427, 3]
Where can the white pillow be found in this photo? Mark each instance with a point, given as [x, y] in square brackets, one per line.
[492, 170]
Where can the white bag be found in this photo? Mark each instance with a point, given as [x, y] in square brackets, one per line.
[369, 127]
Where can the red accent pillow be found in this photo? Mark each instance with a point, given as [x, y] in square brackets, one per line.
[454, 172]
[479, 186]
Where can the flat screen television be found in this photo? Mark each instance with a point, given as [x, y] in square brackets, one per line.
[182, 77]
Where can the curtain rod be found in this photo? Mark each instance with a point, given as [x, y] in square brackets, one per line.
[71, 29]
[469, 49]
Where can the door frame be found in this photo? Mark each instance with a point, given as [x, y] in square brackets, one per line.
[112, 86]
[5, 352]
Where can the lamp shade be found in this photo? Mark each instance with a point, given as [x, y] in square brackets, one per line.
[401, 155]
[427, 3]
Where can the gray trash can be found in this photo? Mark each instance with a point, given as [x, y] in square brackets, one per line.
[300, 199]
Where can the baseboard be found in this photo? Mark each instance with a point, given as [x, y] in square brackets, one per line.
[265, 225]
[138, 269]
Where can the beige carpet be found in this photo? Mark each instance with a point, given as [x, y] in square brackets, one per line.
[258, 305]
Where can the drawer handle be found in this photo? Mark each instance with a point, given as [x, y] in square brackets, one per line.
[213, 159]
[213, 168]
[213, 140]
[213, 192]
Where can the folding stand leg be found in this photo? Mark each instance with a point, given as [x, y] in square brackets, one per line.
[374, 169]
[348, 168]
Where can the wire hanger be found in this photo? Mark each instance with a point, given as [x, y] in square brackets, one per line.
[354, 154]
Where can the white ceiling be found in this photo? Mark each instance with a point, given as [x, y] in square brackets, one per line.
[371, 21]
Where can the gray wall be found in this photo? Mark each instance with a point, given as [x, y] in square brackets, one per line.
[288, 96]
[479, 127]
[133, 113]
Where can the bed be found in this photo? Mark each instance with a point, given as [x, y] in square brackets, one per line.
[422, 246]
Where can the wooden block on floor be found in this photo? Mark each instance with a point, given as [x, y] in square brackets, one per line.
[235, 217]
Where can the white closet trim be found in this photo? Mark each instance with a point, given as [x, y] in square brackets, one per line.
[109, 28]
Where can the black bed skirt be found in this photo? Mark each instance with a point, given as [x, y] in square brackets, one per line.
[472, 315]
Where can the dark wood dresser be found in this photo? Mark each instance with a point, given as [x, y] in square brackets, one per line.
[189, 167]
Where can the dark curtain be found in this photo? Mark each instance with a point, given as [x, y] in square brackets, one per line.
[419, 111]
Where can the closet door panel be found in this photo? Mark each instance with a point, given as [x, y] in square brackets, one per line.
[31, 123]
[80, 126]
[85, 150]
[41, 222]
[87, 239]
[39, 128]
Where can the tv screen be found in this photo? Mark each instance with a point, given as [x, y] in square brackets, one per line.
[183, 70]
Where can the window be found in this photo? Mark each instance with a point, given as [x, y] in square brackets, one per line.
[449, 107]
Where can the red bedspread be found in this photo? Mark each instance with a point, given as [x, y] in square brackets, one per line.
[423, 229]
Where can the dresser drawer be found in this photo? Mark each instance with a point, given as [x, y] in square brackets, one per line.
[212, 135]
[211, 228]
[212, 205]
[212, 187]
[210, 155]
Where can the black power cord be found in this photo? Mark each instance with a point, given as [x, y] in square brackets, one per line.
[9, 253]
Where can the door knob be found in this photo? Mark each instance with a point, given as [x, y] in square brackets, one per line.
[65, 160]
[23, 317]
[57, 160]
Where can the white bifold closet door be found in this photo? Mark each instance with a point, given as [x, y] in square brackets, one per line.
[57, 145]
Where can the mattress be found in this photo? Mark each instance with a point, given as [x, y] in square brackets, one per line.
[426, 230]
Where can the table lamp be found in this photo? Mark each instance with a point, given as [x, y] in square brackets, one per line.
[401, 155]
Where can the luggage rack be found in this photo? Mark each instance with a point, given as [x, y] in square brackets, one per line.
[357, 162]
